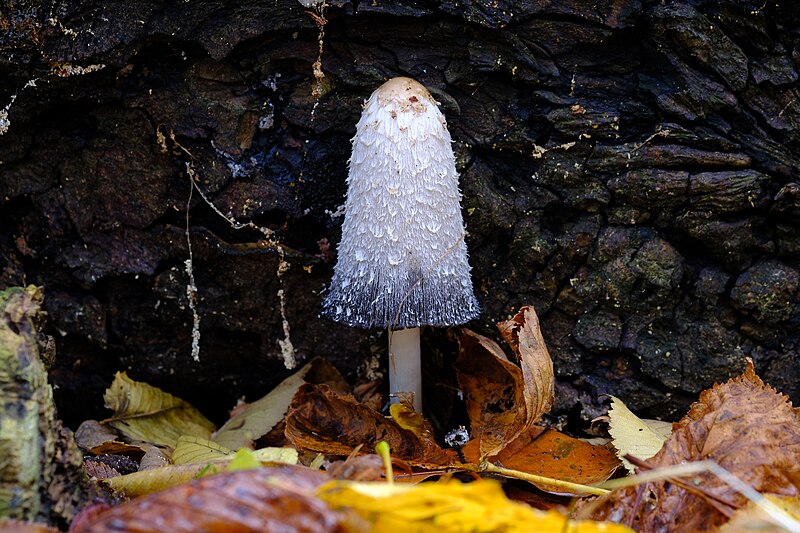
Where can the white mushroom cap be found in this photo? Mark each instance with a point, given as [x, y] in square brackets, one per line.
[402, 262]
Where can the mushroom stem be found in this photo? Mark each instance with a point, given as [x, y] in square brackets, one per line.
[405, 372]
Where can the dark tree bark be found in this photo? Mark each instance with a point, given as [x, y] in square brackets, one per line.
[631, 168]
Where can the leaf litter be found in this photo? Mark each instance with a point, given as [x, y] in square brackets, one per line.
[750, 430]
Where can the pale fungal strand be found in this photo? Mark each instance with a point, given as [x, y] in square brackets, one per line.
[402, 261]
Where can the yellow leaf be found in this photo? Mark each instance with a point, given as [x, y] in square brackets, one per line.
[146, 413]
[407, 418]
[448, 506]
[157, 479]
[277, 455]
[634, 436]
[196, 450]
[258, 418]
[243, 459]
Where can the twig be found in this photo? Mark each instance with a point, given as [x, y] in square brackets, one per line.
[778, 515]
[486, 466]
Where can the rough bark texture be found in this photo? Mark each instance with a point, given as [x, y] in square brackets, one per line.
[42, 478]
[631, 168]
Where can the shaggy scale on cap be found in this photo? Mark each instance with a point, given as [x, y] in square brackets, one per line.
[402, 261]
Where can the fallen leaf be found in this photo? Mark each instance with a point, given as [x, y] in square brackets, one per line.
[358, 468]
[549, 453]
[160, 478]
[448, 506]
[146, 413]
[92, 433]
[243, 459]
[493, 390]
[754, 518]
[265, 499]
[407, 418]
[196, 450]
[258, 418]
[633, 436]
[157, 479]
[153, 458]
[505, 399]
[524, 335]
[322, 420]
[747, 427]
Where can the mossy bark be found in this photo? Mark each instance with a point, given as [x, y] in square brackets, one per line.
[41, 477]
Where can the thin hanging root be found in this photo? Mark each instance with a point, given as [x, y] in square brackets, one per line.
[319, 19]
[191, 288]
[270, 241]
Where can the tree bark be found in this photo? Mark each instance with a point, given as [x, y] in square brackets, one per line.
[42, 477]
[631, 168]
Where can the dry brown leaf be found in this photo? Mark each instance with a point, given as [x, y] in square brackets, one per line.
[92, 433]
[493, 391]
[358, 468]
[549, 453]
[265, 499]
[504, 399]
[324, 421]
[154, 457]
[745, 426]
[524, 335]
[753, 519]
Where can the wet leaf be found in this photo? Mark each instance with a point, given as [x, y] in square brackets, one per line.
[146, 413]
[265, 499]
[325, 421]
[549, 453]
[747, 428]
[633, 436]
[451, 506]
[505, 399]
[258, 418]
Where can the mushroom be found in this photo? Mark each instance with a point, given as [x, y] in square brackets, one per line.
[402, 261]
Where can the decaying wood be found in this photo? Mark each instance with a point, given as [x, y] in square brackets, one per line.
[630, 168]
[41, 475]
